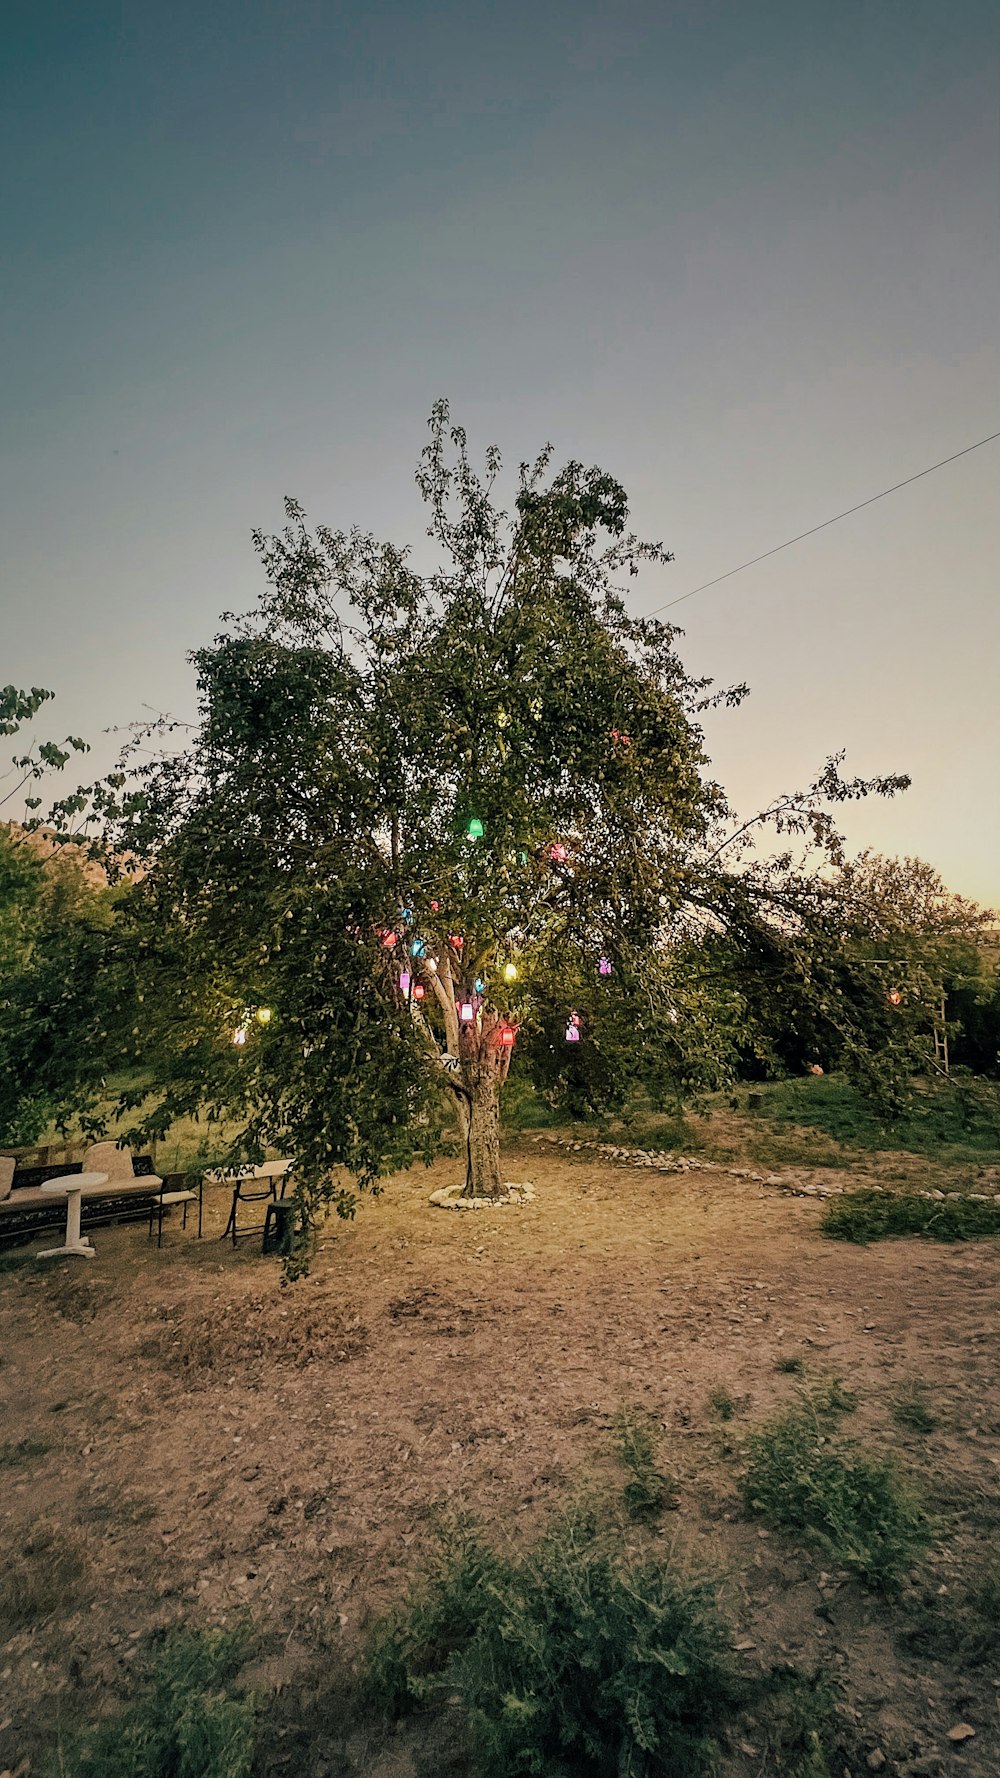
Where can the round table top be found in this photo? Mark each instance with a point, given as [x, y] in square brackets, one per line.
[75, 1182]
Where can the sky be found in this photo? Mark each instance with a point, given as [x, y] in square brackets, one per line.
[743, 256]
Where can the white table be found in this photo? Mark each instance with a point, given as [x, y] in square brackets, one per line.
[268, 1173]
[72, 1187]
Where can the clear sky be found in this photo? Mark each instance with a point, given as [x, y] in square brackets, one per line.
[742, 255]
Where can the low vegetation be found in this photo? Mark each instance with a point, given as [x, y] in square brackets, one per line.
[43, 1576]
[647, 1491]
[857, 1506]
[870, 1215]
[567, 1659]
[190, 1719]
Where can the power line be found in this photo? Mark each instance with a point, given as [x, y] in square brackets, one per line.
[814, 528]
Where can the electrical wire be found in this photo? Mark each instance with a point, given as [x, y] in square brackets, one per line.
[814, 528]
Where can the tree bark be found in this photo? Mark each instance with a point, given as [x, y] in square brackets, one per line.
[484, 1179]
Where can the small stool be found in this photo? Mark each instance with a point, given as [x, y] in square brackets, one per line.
[279, 1226]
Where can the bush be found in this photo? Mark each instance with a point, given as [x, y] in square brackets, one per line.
[865, 1216]
[858, 1507]
[571, 1662]
[185, 1725]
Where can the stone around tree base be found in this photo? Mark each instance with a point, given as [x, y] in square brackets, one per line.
[450, 1198]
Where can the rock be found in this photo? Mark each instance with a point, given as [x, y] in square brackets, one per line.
[875, 1760]
[963, 1731]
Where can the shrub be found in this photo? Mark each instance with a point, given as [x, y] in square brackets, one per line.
[570, 1662]
[185, 1724]
[858, 1507]
[647, 1490]
[865, 1216]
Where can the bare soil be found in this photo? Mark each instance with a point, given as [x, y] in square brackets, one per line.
[198, 1441]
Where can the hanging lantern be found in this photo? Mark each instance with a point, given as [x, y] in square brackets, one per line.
[604, 966]
[507, 1035]
[240, 1036]
[419, 991]
[479, 984]
[522, 857]
[404, 982]
[406, 916]
[572, 1033]
[558, 854]
[456, 942]
[263, 1015]
[388, 939]
[467, 1012]
[895, 996]
[510, 972]
[417, 948]
[475, 829]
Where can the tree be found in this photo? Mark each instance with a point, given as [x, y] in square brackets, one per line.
[425, 817]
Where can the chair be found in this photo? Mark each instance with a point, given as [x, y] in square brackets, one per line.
[7, 1165]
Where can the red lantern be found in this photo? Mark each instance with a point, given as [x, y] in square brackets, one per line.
[507, 1036]
[419, 991]
[457, 942]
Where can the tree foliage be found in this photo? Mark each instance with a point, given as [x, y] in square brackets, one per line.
[482, 787]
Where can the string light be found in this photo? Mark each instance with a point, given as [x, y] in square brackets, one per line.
[510, 972]
[263, 1015]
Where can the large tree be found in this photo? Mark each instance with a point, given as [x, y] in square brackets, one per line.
[426, 816]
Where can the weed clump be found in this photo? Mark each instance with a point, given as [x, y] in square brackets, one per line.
[856, 1506]
[912, 1409]
[569, 1659]
[864, 1216]
[647, 1491]
[46, 1574]
[187, 1722]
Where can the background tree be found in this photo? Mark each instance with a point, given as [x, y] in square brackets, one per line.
[424, 818]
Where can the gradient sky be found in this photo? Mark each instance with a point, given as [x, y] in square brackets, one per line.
[742, 255]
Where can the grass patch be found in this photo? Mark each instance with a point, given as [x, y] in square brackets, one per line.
[912, 1409]
[721, 1402]
[570, 1659]
[647, 1491]
[964, 1631]
[864, 1216]
[792, 1366]
[187, 1722]
[24, 1450]
[44, 1576]
[943, 1119]
[857, 1506]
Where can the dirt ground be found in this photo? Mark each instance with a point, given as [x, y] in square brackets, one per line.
[200, 1441]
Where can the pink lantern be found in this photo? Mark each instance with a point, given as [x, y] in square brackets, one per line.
[558, 854]
[604, 966]
[572, 1033]
[404, 982]
[466, 1012]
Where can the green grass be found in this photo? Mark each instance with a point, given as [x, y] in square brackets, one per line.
[856, 1505]
[962, 1629]
[941, 1120]
[42, 1576]
[572, 1658]
[190, 1719]
[647, 1491]
[864, 1216]
[912, 1409]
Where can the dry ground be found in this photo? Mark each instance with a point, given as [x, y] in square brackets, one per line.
[199, 1441]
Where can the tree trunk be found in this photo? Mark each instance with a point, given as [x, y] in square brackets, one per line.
[483, 1179]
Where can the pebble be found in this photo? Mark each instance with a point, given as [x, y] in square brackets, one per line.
[875, 1760]
[963, 1731]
